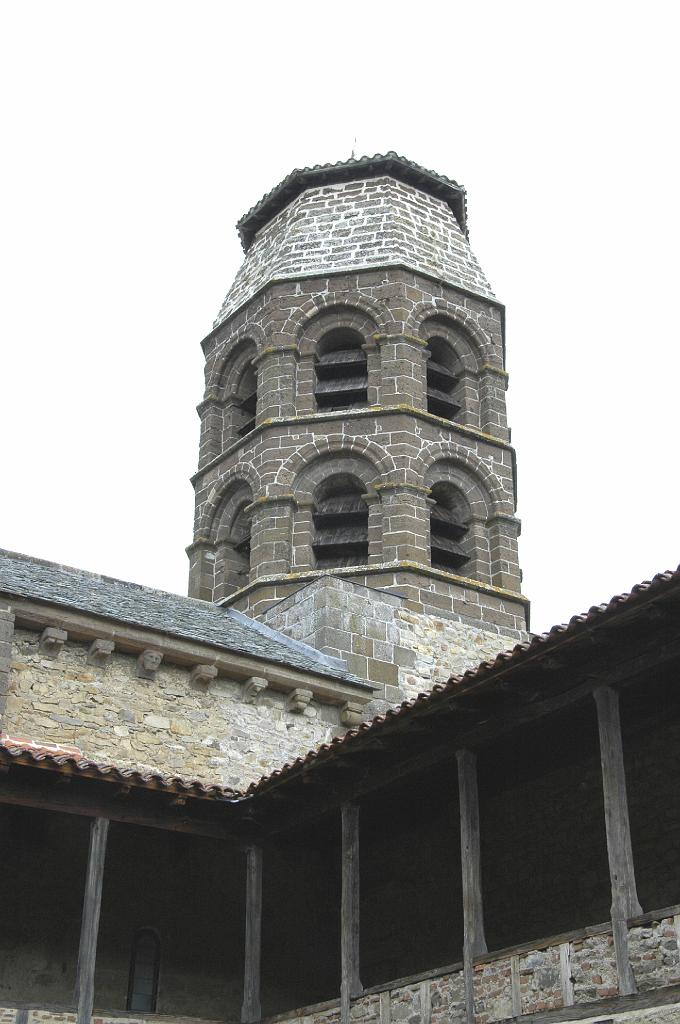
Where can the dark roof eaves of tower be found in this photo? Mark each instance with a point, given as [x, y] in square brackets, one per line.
[171, 614]
[358, 168]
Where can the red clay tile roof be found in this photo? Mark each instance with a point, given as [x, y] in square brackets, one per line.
[72, 760]
[486, 671]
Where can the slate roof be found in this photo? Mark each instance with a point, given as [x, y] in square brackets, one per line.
[375, 166]
[172, 614]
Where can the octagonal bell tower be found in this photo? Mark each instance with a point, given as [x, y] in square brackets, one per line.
[353, 427]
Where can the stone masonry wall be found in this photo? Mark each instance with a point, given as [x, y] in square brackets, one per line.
[382, 638]
[393, 446]
[567, 973]
[167, 723]
[358, 224]
[388, 265]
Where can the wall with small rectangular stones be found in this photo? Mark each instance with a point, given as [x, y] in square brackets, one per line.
[168, 723]
[353, 225]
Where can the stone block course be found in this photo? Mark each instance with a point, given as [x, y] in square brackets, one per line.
[380, 637]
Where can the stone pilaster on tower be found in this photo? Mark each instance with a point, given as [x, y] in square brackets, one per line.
[353, 424]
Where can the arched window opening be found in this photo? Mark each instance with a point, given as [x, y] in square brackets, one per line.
[144, 967]
[441, 380]
[340, 522]
[448, 527]
[240, 542]
[341, 370]
[247, 399]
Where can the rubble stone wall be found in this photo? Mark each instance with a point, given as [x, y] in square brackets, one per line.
[168, 723]
[576, 971]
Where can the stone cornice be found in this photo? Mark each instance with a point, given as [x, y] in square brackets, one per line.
[271, 499]
[373, 570]
[367, 269]
[353, 414]
[184, 652]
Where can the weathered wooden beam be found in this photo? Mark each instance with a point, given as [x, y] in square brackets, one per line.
[474, 942]
[625, 901]
[472, 729]
[566, 979]
[350, 982]
[103, 802]
[515, 987]
[89, 928]
[252, 1008]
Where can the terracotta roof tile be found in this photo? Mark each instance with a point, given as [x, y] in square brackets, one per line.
[63, 758]
[71, 759]
[486, 670]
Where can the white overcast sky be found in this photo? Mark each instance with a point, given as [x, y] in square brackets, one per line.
[136, 133]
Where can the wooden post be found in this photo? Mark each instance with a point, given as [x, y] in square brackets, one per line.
[89, 929]
[474, 942]
[350, 984]
[515, 988]
[252, 1009]
[566, 980]
[625, 901]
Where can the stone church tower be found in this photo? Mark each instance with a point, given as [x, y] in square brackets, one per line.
[356, 482]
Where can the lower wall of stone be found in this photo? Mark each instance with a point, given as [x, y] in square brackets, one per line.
[580, 970]
[577, 971]
[363, 1011]
[13, 1016]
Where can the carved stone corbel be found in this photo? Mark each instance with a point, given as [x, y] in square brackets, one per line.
[203, 675]
[100, 651]
[52, 641]
[351, 713]
[148, 664]
[252, 688]
[298, 701]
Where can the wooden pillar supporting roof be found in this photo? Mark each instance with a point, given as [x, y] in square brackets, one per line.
[252, 1008]
[89, 930]
[350, 984]
[474, 942]
[625, 903]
